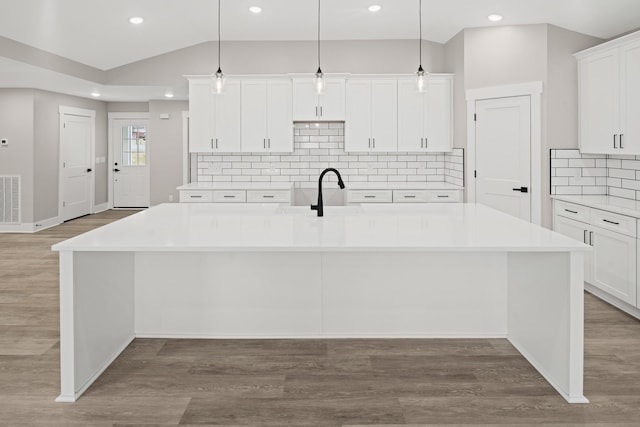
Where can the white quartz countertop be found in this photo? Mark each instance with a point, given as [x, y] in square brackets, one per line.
[206, 227]
[607, 203]
[237, 186]
[402, 186]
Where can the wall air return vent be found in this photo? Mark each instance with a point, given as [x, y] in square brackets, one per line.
[9, 199]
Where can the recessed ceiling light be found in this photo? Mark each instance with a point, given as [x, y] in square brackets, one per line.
[494, 17]
[137, 20]
[255, 9]
[375, 8]
[168, 95]
[95, 94]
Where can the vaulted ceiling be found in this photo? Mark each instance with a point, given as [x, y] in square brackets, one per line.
[97, 32]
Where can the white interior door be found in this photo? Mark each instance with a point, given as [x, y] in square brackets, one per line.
[76, 152]
[503, 155]
[131, 182]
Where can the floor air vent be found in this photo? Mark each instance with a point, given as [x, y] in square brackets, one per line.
[9, 199]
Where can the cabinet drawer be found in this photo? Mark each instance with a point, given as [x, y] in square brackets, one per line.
[409, 196]
[268, 196]
[614, 222]
[444, 196]
[370, 196]
[569, 210]
[196, 196]
[229, 196]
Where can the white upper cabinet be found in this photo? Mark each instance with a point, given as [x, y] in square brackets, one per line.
[266, 116]
[425, 119]
[371, 119]
[214, 120]
[609, 91]
[309, 106]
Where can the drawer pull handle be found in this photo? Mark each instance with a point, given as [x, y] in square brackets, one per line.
[369, 197]
[409, 197]
[443, 197]
[196, 197]
[591, 238]
[267, 196]
[569, 210]
[229, 197]
[611, 222]
[585, 237]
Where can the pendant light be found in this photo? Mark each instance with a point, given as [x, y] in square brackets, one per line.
[421, 75]
[218, 78]
[318, 79]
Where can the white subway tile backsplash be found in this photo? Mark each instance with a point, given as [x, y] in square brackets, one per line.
[615, 175]
[321, 145]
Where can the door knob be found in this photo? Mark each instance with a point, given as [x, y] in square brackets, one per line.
[522, 189]
[89, 170]
[116, 170]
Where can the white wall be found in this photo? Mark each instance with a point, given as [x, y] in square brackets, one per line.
[268, 57]
[165, 140]
[16, 125]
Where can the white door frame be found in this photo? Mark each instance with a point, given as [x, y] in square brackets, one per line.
[81, 112]
[186, 154]
[111, 118]
[534, 91]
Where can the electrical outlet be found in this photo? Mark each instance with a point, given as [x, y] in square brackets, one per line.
[4, 142]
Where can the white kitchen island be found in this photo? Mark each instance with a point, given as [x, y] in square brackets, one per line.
[266, 271]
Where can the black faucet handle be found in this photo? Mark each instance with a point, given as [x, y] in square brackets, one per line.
[314, 207]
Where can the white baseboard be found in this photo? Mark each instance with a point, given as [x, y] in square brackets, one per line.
[30, 227]
[101, 208]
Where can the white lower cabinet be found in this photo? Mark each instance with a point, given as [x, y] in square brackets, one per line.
[403, 196]
[236, 196]
[611, 267]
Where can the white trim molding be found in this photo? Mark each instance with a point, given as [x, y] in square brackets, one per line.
[186, 155]
[534, 91]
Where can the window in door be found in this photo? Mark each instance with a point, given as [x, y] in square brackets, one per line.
[134, 144]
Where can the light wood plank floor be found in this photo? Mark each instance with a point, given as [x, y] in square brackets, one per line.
[293, 382]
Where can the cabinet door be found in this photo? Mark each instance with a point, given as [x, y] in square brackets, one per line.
[630, 98]
[579, 231]
[614, 264]
[410, 116]
[357, 127]
[253, 116]
[227, 118]
[305, 100]
[599, 102]
[332, 101]
[279, 116]
[438, 115]
[200, 116]
[384, 115]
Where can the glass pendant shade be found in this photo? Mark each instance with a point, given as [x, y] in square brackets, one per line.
[421, 80]
[217, 81]
[319, 82]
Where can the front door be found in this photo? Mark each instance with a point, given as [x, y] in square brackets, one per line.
[503, 155]
[130, 164]
[76, 152]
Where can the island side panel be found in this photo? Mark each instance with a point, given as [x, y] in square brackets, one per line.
[228, 294]
[97, 320]
[546, 316]
[415, 294]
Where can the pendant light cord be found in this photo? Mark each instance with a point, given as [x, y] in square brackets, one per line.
[318, 34]
[420, 17]
[219, 41]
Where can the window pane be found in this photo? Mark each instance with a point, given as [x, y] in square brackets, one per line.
[134, 145]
